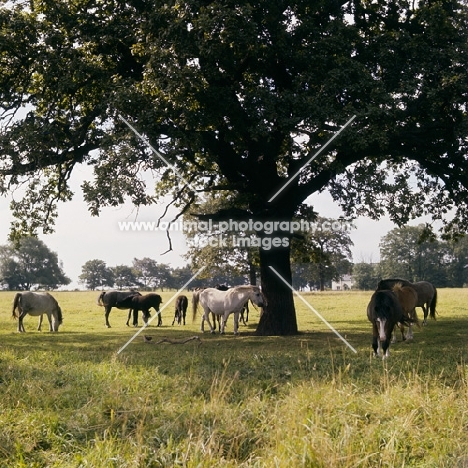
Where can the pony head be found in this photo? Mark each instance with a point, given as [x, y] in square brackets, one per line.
[257, 297]
[381, 322]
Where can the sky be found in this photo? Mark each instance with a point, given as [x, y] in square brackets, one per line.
[80, 237]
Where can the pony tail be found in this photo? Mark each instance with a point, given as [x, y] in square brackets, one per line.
[99, 301]
[195, 301]
[16, 302]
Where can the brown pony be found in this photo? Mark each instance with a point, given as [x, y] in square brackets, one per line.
[143, 303]
[408, 299]
[427, 294]
[181, 305]
[384, 312]
[109, 299]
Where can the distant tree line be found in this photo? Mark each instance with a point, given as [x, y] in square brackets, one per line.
[147, 274]
[318, 258]
[409, 253]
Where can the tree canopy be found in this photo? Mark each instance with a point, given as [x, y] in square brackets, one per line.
[326, 247]
[96, 274]
[406, 253]
[238, 96]
[30, 263]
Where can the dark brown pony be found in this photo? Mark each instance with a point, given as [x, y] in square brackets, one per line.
[181, 305]
[143, 303]
[109, 299]
[408, 298]
[384, 312]
[427, 294]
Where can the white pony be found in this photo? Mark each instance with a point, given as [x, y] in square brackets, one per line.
[37, 304]
[225, 303]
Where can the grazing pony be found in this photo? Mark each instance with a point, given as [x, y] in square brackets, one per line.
[143, 303]
[181, 305]
[109, 299]
[408, 299]
[224, 303]
[427, 294]
[37, 304]
[244, 313]
[384, 312]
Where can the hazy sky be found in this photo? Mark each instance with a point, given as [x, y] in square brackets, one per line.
[79, 237]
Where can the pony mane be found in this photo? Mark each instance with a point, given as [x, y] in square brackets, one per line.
[383, 304]
[397, 287]
[247, 287]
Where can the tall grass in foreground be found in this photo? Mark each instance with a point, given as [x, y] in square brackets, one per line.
[68, 400]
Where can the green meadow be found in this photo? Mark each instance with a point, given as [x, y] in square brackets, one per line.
[69, 399]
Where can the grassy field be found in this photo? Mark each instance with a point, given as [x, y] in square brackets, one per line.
[69, 400]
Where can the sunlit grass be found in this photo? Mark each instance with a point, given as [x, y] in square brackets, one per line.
[68, 399]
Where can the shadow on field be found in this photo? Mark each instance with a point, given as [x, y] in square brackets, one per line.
[447, 335]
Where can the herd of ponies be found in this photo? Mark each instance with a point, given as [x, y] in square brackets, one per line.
[392, 305]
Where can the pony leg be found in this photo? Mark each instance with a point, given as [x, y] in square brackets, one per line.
[236, 323]
[384, 349]
[206, 316]
[159, 318]
[241, 317]
[402, 330]
[244, 314]
[20, 322]
[106, 315]
[39, 323]
[224, 318]
[128, 317]
[135, 317]
[426, 311]
[375, 340]
[51, 327]
[410, 336]
[379, 348]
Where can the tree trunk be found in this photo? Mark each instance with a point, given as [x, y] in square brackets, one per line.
[279, 315]
[252, 273]
[322, 276]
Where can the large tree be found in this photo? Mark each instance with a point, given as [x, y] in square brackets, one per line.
[30, 263]
[238, 96]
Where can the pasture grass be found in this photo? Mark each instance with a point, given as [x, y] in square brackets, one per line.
[69, 400]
